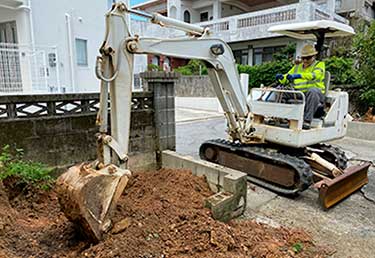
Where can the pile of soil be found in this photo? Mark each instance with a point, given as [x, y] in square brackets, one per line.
[370, 115]
[160, 214]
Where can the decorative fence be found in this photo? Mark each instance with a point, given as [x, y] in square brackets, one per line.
[268, 18]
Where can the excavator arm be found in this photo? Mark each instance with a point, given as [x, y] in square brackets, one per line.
[116, 61]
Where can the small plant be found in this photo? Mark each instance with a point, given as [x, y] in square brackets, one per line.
[153, 67]
[194, 67]
[297, 247]
[24, 173]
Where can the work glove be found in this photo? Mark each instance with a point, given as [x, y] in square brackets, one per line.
[279, 76]
[292, 77]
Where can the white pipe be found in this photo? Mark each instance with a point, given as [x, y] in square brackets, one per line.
[57, 70]
[31, 25]
[70, 50]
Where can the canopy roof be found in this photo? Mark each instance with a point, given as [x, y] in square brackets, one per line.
[305, 30]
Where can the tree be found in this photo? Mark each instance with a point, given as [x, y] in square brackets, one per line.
[364, 45]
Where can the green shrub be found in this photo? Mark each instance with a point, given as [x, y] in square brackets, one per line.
[26, 173]
[194, 67]
[364, 45]
[265, 73]
[341, 69]
[286, 53]
[153, 67]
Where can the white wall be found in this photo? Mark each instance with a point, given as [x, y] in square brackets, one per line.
[87, 22]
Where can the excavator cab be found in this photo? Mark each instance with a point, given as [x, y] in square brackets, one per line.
[329, 166]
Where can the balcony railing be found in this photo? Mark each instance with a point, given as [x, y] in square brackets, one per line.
[287, 15]
[27, 68]
[254, 25]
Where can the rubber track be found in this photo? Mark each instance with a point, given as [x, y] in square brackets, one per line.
[272, 156]
[341, 161]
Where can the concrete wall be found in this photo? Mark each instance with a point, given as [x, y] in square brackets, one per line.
[194, 86]
[60, 129]
[57, 138]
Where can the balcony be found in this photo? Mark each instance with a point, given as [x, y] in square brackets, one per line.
[254, 25]
[10, 4]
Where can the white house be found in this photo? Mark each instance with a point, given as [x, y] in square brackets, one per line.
[50, 46]
[243, 24]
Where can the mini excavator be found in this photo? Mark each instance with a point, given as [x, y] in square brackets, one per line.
[284, 158]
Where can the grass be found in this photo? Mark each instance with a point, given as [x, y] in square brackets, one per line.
[26, 173]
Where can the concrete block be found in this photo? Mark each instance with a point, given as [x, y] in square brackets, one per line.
[224, 207]
[228, 184]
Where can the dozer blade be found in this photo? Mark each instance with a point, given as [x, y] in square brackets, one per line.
[331, 191]
[88, 196]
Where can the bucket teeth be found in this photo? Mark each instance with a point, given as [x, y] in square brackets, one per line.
[88, 196]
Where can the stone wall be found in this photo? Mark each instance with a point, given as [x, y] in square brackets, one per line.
[194, 86]
[60, 129]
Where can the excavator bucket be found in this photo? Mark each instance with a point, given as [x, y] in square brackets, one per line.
[88, 196]
[332, 191]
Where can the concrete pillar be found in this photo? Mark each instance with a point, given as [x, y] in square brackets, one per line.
[250, 56]
[216, 10]
[244, 77]
[162, 86]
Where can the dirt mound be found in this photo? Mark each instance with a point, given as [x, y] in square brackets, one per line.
[159, 215]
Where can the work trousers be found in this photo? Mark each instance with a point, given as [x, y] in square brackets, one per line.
[314, 99]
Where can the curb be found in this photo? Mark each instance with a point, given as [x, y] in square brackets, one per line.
[361, 130]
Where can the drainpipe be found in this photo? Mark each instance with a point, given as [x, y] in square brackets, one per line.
[70, 50]
[32, 37]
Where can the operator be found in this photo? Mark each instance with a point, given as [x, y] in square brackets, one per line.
[307, 77]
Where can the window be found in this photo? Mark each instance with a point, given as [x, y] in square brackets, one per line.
[204, 16]
[241, 56]
[265, 54]
[155, 60]
[81, 52]
[187, 16]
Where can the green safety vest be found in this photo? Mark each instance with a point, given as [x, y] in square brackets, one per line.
[312, 77]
